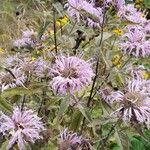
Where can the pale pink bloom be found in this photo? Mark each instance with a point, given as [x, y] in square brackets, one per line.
[118, 4]
[27, 65]
[134, 42]
[70, 74]
[130, 13]
[146, 26]
[136, 71]
[106, 94]
[28, 33]
[22, 127]
[11, 78]
[28, 39]
[74, 8]
[42, 68]
[82, 9]
[69, 140]
[134, 102]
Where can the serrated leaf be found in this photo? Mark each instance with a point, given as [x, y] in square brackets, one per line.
[84, 112]
[5, 105]
[63, 107]
[122, 140]
[76, 120]
[21, 91]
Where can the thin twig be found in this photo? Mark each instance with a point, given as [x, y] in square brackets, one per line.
[54, 25]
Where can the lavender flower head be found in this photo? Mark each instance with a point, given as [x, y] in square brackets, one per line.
[134, 102]
[134, 42]
[69, 140]
[42, 68]
[85, 10]
[22, 127]
[129, 13]
[28, 39]
[73, 8]
[70, 74]
[106, 94]
[11, 78]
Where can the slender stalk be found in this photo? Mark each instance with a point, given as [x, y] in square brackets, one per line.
[55, 30]
[23, 102]
[96, 71]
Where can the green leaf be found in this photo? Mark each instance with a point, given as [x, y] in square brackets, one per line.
[5, 105]
[63, 107]
[84, 112]
[4, 145]
[76, 120]
[122, 140]
[136, 144]
[21, 91]
[147, 3]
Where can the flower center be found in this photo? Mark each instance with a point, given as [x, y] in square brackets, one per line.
[133, 99]
[19, 126]
[70, 73]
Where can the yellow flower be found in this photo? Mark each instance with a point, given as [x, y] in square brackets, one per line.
[117, 61]
[62, 21]
[1, 51]
[118, 32]
[33, 58]
[146, 74]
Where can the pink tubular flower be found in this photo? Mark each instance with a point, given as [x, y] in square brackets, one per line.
[11, 78]
[69, 140]
[134, 42]
[27, 40]
[73, 8]
[134, 102]
[22, 127]
[91, 15]
[42, 68]
[70, 74]
[130, 13]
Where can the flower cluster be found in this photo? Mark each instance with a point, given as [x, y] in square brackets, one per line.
[129, 13]
[134, 102]
[22, 127]
[28, 39]
[11, 78]
[70, 74]
[94, 12]
[69, 140]
[135, 41]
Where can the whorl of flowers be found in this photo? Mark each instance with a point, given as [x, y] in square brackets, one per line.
[129, 13]
[69, 140]
[11, 78]
[137, 71]
[24, 62]
[27, 39]
[76, 8]
[70, 74]
[135, 42]
[117, 4]
[42, 68]
[134, 102]
[22, 127]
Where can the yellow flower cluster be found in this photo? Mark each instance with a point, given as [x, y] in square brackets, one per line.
[146, 75]
[118, 32]
[62, 21]
[117, 61]
[1, 50]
